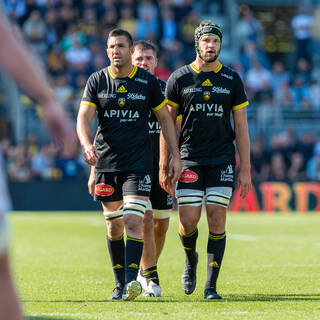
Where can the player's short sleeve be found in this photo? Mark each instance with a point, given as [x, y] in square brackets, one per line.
[171, 92]
[157, 99]
[239, 98]
[89, 96]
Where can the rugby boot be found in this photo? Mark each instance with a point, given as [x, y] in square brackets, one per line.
[153, 290]
[117, 292]
[211, 294]
[189, 277]
[142, 280]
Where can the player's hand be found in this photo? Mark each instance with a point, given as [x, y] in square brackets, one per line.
[163, 177]
[244, 182]
[91, 183]
[90, 154]
[174, 173]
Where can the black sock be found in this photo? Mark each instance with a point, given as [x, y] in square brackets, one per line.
[116, 251]
[151, 274]
[189, 244]
[215, 251]
[134, 247]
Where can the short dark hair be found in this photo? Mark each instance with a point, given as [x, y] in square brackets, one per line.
[145, 45]
[121, 32]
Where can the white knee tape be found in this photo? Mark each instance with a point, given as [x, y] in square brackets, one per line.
[112, 215]
[161, 214]
[135, 206]
[219, 196]
[188, 197]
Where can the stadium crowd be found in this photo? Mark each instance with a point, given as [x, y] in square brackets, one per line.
[69, 37]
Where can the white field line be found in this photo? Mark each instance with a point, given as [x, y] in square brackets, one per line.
[242, 237]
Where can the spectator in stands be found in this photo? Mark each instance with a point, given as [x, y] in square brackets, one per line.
[279, 75]
[301, 95]
[260, 168]
[250, 53]
[88, 24]
[36, 31]
[63, 89]
[127, 20]
[42, 163]
[303, 71]
[16, 9]
[315, 95]
[283, 96]
[147, 22]
[302, 24]
[278, 170]
[259, 80]
[72, 36]
[169, 28]
[248, 27]
[313, 166]
[70, 167]
[297, 169]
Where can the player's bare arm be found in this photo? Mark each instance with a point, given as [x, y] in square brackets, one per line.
[22, 67]
[167, 180]
[243, 145]
[91, 182]
[85, 117]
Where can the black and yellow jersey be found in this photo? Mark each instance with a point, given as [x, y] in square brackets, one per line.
[123, 106]
[205, 101]
[154, 131]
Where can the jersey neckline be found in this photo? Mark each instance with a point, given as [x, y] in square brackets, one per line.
[196, 70]
[130, 75]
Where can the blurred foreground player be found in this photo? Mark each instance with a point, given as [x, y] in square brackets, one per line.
[17, 63]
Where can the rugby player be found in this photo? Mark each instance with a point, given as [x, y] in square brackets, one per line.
[123, 95]
[206, 93]
[155, 221]
[17, 63]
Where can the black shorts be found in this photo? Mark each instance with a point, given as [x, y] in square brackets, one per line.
[160, 199]
[202, 177]
[112, 186]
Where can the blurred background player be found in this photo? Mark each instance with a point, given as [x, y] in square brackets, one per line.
[123, 96]
[156, 221]
[206, 93]
[18, 64]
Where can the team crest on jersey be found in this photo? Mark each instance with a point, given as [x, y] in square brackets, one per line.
[206, 95]
[121, 102]
[122, 89]
[207, 83]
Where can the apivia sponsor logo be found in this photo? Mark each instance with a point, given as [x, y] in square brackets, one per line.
[220, 90]
[129, 114]
[192, 90]
[141, 80]
[136, 96]
[103, 95]
[154, 126]
[227, 76]
[212, 109]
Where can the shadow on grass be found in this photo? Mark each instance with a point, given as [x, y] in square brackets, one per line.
[272, 297]
[226, 298]
[46, 318]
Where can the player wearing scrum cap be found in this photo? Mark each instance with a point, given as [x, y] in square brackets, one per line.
[206, 93]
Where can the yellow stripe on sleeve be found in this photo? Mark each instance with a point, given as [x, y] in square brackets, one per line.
[240, 106]
[88, 103]
[179, 117]
[160, 105]
[173, 104]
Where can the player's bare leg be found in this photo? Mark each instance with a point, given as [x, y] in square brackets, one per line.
[160, 231]
[9, 306]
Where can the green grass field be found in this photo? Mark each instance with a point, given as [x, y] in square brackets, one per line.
[271, 270]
